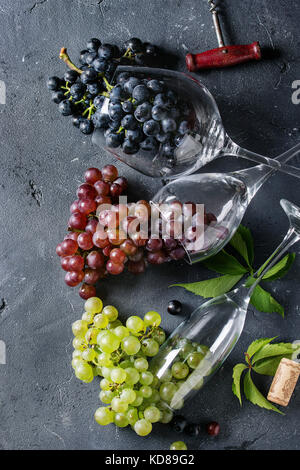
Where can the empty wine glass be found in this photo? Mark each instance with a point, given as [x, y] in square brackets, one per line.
[208, 336]
[205, 140]
[225, 195]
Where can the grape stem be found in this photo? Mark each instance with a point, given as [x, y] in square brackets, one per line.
[65, 57]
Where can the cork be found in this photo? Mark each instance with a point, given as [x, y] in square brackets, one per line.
[284, 382]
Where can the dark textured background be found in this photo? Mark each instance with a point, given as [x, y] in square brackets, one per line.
[42, 404]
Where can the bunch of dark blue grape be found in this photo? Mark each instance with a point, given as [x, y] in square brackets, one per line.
[144, 114]
[82, 90]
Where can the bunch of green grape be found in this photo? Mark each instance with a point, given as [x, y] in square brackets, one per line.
[120, 355]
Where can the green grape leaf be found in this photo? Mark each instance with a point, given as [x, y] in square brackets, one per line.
[242, 242]
[263, 301]
[281, 268]
[269, 365]
[255, 396]
[270, 350]
[236, 384]
[258, 344]
[211, 287]
[224, 263]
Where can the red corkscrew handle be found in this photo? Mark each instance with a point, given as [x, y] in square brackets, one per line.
[223, 57]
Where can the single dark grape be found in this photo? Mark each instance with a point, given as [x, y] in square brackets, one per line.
[183, 127]
[154, 244]
[100, 120]
[149, 144]
[143, 112]
[118, 93]
[168, 149]
[192, 429]
[135, 135]
[174, 307]
[86, 191]
[129, 122]
[115, 111]
[77, 91]
[140, 94]
[156, 86]
[150, 49]
[163, 100]
[98, 101]
[130, 84]
[65, 108]
[94, 88]
[53, 83]
[178, 423]
[57, 96]
[123, 77]
[151, 127]
[86, 126]
[130, 147]
[109, 173]
[88, 76]
[95, 260]
[87, 291]
[93, 45]
[128, 107]
[106, 51]
[159, 113]
[134, 44]
[71, 76]
[82, 56]
[114, 140]
[168, 125]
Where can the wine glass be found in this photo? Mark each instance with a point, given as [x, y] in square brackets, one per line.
[208, 336]
[205, 141]
[226, 196]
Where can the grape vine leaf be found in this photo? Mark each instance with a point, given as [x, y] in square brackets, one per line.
[236, 384]
[255, 396]
[281, 268]
[242, 242]
[269, 366]
[270, 350]
[258, 344]
[263, 301]
[211, 287]
[224, 263]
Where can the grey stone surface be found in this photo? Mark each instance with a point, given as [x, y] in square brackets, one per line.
[42, 404]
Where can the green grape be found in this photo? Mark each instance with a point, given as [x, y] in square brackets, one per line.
[100, 321]
[198, 384]
[178, 404]
[108, 342]
[104, 359]
[106, 396]
[185, 348]
[105, 385]
[126, 363]
[135, 324]
[118, 375]
[128, 395]
[194, 359]
[76, 354]
[88, 317]
[166, 416]
[146, 378]
[145, 391]
[150, 347]
[118, 405]
[167, 391]
[121, 420]
[155, 397]
[167, 376]
[106, 371]
[121, 332]
[79, 327]
[138, 399]
[93, 305]
[76, 361]
[104, 416]
[131, 345]
[91, 335]
[143, 427]
[180, 370]
[80, 344]
[178, 445]
[152, 319]
[152, 414]
[132, 376]
[202, 349]
[132, 416]
[89, 354]
[97, 371]
[159, 335]
[156, 382]
[141, 364]
[111, 312]
[114, 324]
[84, 372]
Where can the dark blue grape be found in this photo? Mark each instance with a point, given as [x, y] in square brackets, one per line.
[77, 120]
[178, 423]
[82, 57]
[53, 83]
[151, 127]
[118, 93]
[57, 96]
[173, 96]
[93, 45]
[151, 49]
[143, 112]
[134, 44]
[140, 94]
[88, 76]
[156, 86]
[65, 108]
[86, 126]
[100, 65]
[168, 149]
[174, 113]
[141, 59]
[123, 77]
[162, 137]
[94, 88]
[106, 51]
[98, 101]
[162, 100]
[185, 109]
[135, 135]
[90, 57]
[130, 84]
[128, 107]
[169, 125]
[100, 120]
[71, 76]
[129, 122]
[130, 147]
[159, 112]
[115, 111]
[114, 140]
[114, 125]
[178, 139]
[77, 91]
[183, 127]
[149, 144]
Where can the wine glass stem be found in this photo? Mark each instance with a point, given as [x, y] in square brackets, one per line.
[290, 239]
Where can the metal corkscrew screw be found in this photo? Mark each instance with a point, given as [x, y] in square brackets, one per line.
[223, 56]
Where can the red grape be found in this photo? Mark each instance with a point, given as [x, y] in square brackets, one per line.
[91, 276]
[91, 226]
[115, 190]
[109, 173]
[178, 253]
[76, 263]
[158, 257]
[117, 255]
[136, 267]
[65, 263]
[139, 238]
[85, 241]
[170, 244]
[86, 191]
[103, 200]
[72, 235]
[92, 175]
[139, 254]
[102, 188]
[77, 221]
[107, 249]
[59, 250]
[86, 291]
[121, 181]
[99, 240]
[69, 247]
[128, 247]
[116, 237]
[86, 206]
[74, 206]
[73, 278]
[154, 244]
[131, 224]
[95, 260]
[114, 268]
